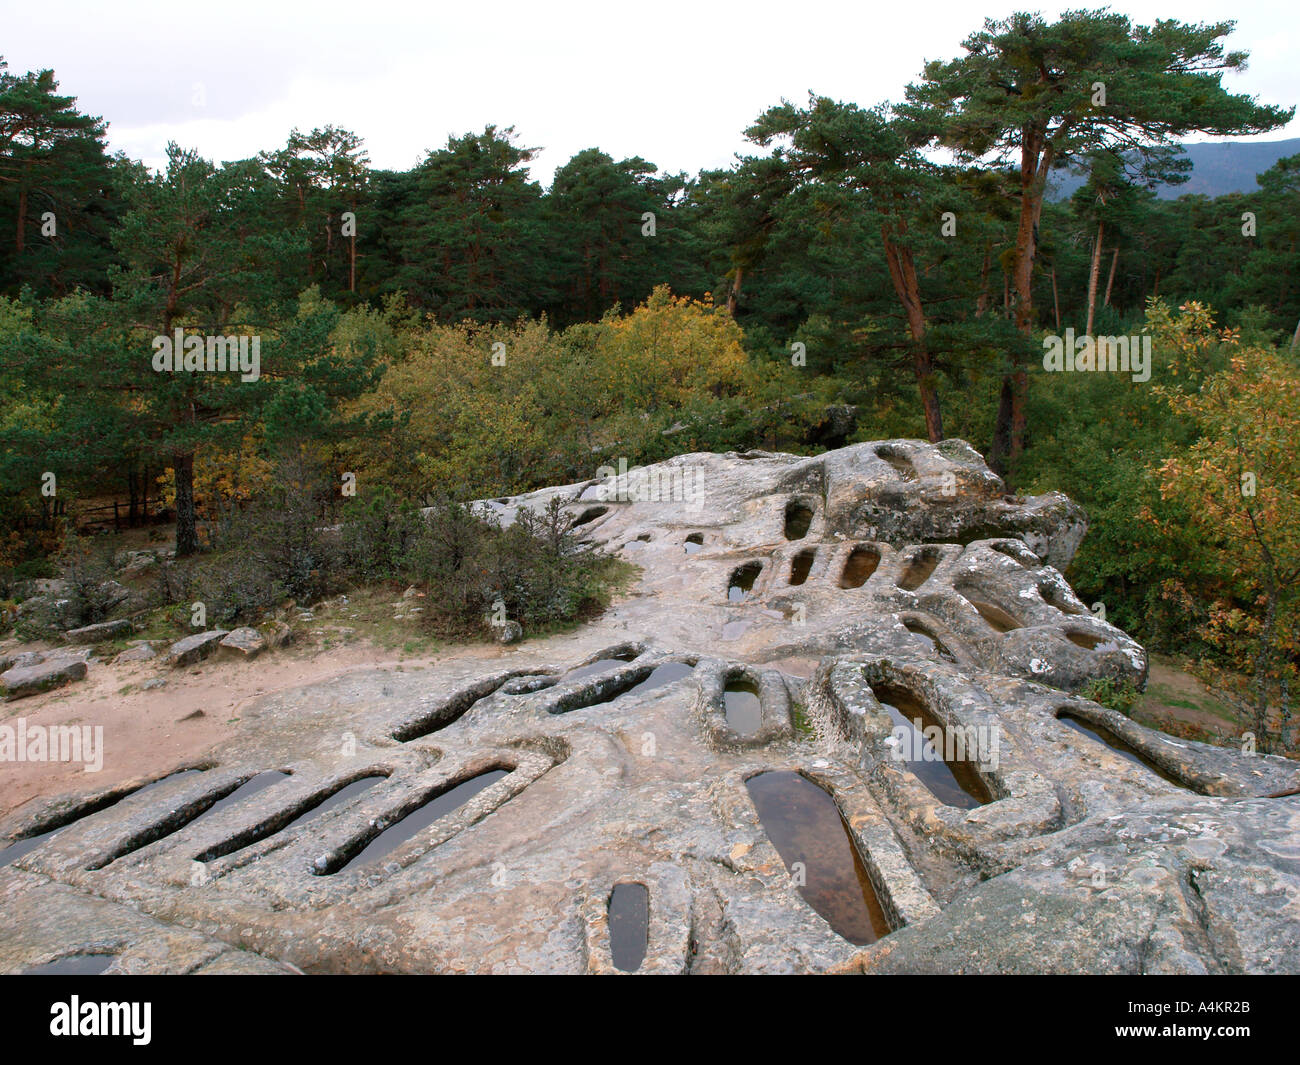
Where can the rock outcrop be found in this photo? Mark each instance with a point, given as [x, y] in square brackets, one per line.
[883, 621]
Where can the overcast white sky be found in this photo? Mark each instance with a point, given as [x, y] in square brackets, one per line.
[673, 82]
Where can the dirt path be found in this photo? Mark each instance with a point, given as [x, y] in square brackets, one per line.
[1177, 703]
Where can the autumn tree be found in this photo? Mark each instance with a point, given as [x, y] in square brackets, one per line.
[1238, 485]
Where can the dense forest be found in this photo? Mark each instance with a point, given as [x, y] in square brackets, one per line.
[456, 331]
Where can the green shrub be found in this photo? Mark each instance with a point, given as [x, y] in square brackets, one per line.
[377, 536]
[1112, 694]
[477, 574]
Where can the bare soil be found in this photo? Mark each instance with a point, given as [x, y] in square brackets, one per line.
[151, 732]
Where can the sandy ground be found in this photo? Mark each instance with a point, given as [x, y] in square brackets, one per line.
[147, 733]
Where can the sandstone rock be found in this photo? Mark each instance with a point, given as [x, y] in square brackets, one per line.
[885, 582]
[56, 655]
[195, 648]
[104, 630]
[68, 654]
[243, 643]
[32, 680]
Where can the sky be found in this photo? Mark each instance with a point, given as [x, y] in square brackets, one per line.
[675, 83]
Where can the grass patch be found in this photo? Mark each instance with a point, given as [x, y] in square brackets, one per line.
[803, 728]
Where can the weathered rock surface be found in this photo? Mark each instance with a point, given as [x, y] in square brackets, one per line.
[887, 579]
[195, 648]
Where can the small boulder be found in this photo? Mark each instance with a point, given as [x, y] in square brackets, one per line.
[195, 648]
[276, 634]
[114, 594]
[43, 587]
[32, 680]
[243, 643]
[510, 632]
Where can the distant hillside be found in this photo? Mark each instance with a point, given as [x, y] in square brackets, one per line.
[1217, 169]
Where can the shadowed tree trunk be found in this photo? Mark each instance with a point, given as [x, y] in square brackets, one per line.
[982, 302]
[187, 536]
[20, 235]
[1094, 271]
[902, 272]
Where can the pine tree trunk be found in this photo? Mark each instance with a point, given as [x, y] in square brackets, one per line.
[1056, 299]
[352, 253]
[1110, 280]
[1009, 432]
[907, 286]
[1094, 272]
[733, 293]
[982, 302]
[20, 233]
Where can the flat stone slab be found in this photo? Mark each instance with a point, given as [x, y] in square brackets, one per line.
[104, 630]
[22, 681]
[195, 648]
